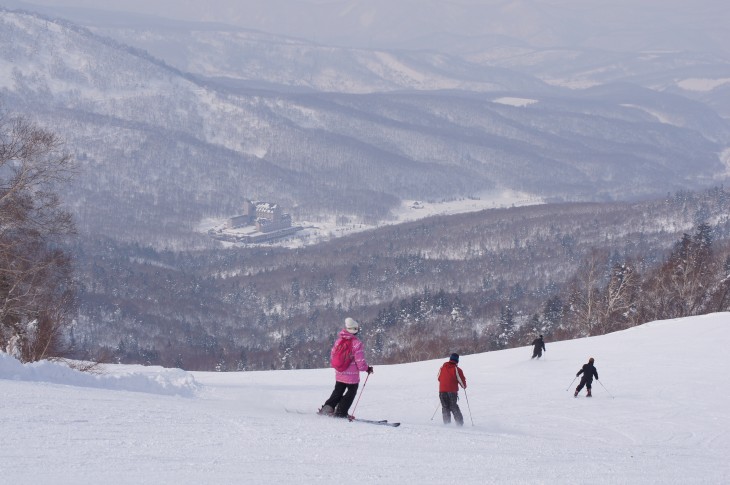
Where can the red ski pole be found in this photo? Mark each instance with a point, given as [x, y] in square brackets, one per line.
[358, 397]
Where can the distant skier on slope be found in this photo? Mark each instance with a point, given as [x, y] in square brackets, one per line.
[347, 379]
[589, 372]
[450, 378]
[539, 347]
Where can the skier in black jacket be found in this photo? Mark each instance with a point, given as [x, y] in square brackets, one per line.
[539, 346]
[589, 372]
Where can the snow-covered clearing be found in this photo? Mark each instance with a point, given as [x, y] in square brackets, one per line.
[666, 419]
[701, 84]
[725, 158]
[660, 117]
[517, 102]
[409, 210]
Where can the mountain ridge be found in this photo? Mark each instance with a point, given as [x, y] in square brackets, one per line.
[332, 153]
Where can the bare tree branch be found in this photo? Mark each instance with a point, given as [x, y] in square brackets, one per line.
[36, 291]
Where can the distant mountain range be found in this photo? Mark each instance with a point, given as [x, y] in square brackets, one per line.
[456, 26]
[325, 131]
[174, 123]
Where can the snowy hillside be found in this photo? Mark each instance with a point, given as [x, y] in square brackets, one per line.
[665, 419]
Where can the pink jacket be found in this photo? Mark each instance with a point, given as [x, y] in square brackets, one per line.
[351, 375]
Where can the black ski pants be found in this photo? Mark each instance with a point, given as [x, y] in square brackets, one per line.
[585, 381]
[449, 406]
[537, 352]
[342, 397]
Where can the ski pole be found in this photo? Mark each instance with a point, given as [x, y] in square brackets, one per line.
[468, 406]
[358, 397]
[434, 411]
[571, 382]
[601, 383]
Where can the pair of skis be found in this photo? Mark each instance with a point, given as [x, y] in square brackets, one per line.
[379, 422]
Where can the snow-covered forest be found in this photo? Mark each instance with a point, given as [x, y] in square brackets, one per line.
[485, 280]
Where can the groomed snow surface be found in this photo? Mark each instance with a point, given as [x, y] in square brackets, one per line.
[666, 419]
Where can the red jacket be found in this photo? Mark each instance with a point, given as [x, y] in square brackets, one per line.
[450, 377]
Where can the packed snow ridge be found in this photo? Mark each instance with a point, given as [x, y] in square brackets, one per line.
[155, 380]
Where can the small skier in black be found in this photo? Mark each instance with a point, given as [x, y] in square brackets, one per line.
[539, 347]
[589, 372]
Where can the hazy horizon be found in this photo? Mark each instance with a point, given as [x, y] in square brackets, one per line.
[611, 25]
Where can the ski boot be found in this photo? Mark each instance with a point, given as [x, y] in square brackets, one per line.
[575, 394]
[326, 411]
[588, 394]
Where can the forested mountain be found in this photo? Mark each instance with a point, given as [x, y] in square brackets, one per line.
[242, 57]
[475, 282]
[249, 58]
[355, 46]
[161, 150]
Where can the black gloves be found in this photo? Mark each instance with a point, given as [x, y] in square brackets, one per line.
[370, 370]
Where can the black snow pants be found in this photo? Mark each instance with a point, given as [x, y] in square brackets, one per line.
[449, 405]
[584, 381]
[342, 397]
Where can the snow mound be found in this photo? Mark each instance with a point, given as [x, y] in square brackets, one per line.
[124, 378]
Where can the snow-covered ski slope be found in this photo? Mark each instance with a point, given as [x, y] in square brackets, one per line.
[669, 421]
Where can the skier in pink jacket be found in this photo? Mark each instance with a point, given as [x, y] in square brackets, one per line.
[348, 380]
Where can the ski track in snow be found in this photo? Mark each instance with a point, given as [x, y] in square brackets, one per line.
[668, 421]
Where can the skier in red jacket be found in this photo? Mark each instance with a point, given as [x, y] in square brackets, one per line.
[450, 378]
